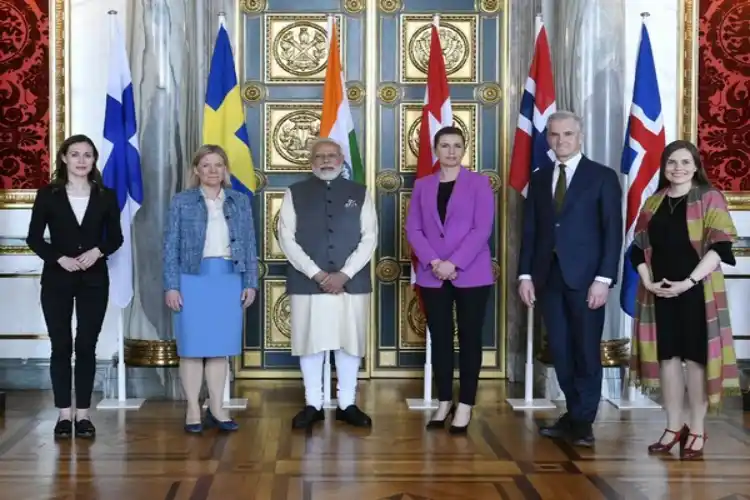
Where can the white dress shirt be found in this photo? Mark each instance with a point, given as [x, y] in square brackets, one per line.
[570, 169]
[217, 231]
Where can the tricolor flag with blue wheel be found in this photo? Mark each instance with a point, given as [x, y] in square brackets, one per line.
[122, 163]
[224, 116]
[645, 140]
[336, 122]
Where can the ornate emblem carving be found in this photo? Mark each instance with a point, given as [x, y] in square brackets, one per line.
[275, 224]
[388, 93]
[388, 270]
[495, 180]
[261, 181]
[413, 133]
[253, 92]
[390, 6]
[388, 181]
[489, 6]
[301, 48]
[496, 269]
[253, 6]
[415, 317]
[294, 133]
[454, 42]
[282, 315]
[354, 6]
[355, 92]
[489, 93]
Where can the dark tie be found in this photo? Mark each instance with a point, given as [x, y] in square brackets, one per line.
[560, 188]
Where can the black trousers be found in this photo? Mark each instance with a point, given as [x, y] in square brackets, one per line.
[58, 298]
[471, 307]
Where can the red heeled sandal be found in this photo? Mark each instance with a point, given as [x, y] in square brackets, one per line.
[680, 436]
[687, 452]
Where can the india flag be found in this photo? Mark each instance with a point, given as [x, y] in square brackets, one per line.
[336, 122]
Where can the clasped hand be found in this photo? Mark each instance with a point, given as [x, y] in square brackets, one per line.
[82, 262]
[668, 289]
[331, 282]
[443, 269]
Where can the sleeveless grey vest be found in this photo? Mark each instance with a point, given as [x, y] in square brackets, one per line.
[328, 230]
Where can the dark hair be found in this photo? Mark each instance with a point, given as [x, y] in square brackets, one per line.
[447, 131]
[60, 175]
[700, 177]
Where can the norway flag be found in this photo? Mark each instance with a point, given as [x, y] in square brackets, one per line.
[530, 149]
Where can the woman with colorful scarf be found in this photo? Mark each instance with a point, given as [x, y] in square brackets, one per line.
[683, 234]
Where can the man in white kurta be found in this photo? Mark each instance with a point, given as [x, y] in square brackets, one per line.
[328, 231]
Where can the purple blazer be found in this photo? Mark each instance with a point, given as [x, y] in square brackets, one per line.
[463, 239]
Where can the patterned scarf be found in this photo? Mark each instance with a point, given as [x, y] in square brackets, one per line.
[709, 222]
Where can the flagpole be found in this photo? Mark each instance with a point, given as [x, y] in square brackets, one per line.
[528, 402]
[122, 402]
[426, 403]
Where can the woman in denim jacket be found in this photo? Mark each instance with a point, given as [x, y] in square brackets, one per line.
[210, 278]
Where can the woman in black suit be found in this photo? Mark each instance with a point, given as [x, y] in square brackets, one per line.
[84, 228]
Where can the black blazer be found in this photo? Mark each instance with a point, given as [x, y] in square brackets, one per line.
[100, 228]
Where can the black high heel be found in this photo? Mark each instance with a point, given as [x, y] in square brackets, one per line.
[440, 424]
[462, 430]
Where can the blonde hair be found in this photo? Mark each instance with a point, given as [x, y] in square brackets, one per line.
[192, 180]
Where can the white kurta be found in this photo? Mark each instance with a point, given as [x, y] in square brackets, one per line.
[323, 321]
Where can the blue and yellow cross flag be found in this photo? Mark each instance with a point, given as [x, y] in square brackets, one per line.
[224, 116]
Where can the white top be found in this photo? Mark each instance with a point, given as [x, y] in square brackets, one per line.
[79, 205]
[217, 231]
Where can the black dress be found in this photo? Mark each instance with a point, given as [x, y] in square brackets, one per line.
[681, 327]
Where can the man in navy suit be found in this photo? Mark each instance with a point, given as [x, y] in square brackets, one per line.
[570, 255]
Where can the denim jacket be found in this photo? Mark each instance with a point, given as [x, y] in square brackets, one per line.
[185, 236]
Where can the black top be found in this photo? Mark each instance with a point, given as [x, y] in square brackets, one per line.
[444, 195]
[99, 228]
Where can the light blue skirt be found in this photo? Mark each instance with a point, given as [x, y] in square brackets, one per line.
[210, 322]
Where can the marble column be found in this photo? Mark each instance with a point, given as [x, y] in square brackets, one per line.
[170, 43]
[522, 35]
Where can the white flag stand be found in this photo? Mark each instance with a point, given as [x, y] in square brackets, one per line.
[426, 403]
[122, 402]
[229, 403]
[528, 402]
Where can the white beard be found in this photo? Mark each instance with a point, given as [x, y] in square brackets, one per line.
[327, 175]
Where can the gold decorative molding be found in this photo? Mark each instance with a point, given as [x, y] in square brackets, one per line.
[495, 181]
[389, 93]
[151, 353]
[262, 269]
[738, 200]
[404, 251]
[59, 22]
[458, 36]
[355, 92]
[388, 181]
[290, 128]
[465, 117]
[253, 92]
[271, 205]
[253, 6]
[15, 250]
[390, 6]
[489, 6]
[489, 93]
[277, 315]
[296, 48]
[354, 6]
[388, 270]
[261, 181]
[496, 271]
[741, 251]
[412, 321]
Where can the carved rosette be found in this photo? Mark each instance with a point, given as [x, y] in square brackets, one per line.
[390, 6]
[253, 6]
[253, 92]
[262, 269]
[354, 6]
[355, 92]
[388, 93]
[495, 181]
[489, 93]
[388, 181]
[261, 181]
[388, 270]
[489, 6]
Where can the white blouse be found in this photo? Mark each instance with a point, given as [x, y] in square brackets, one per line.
[79, 205]
[217, 231]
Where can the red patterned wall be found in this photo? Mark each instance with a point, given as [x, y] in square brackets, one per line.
[24, 94]
[724, 92]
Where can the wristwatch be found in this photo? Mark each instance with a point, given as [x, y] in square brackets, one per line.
[692, 280]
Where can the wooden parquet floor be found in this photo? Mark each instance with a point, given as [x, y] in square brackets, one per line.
[144, 455]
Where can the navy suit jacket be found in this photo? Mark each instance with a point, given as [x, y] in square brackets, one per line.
[586, 234]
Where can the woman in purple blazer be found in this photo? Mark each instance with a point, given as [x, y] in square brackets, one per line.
[448, 227]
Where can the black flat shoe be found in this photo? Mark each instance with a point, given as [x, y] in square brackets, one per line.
[307, 417]
[440, 424]
[63, 429]
[84, 428]
[352, 415]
